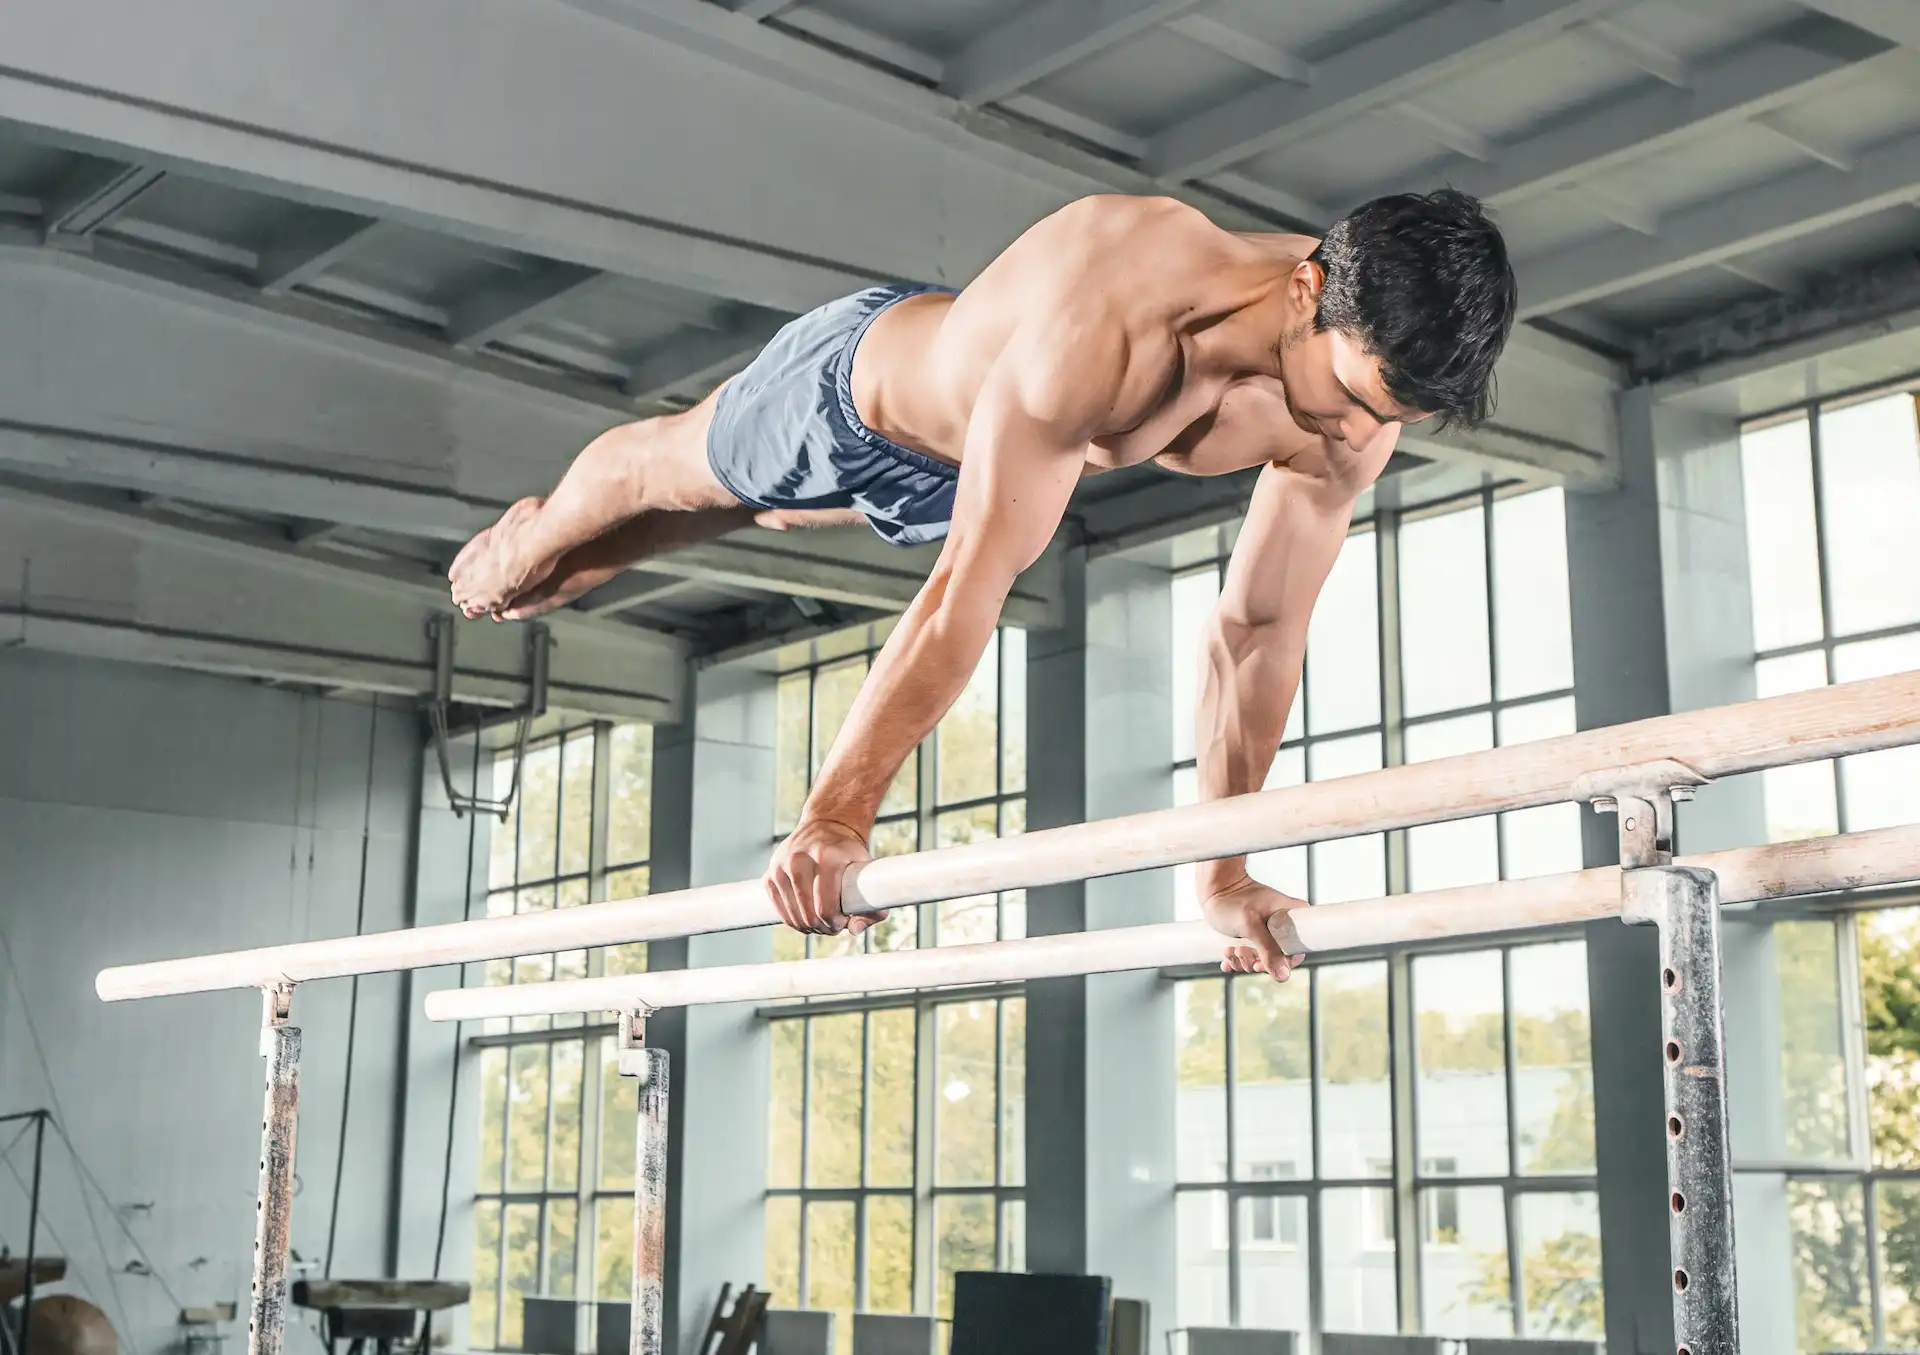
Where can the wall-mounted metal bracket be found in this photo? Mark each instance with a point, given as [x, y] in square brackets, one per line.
[539, 652]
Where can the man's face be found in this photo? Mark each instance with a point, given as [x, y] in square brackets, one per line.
[1334, 388]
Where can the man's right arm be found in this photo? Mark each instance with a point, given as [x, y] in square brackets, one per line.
[1047, 395]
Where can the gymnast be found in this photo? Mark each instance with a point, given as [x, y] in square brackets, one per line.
[1116, 331]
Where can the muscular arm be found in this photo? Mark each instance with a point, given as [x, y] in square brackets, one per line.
[1256, 640]
[1049, 393]
[1044, 400]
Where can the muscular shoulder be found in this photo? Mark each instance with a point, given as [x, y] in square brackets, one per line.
[1126, 246]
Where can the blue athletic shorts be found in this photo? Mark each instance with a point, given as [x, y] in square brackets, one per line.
[785, 433]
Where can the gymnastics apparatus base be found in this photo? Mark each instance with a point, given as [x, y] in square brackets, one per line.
[1636, 771]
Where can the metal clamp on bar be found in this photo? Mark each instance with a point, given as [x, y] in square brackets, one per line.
[539, 651]
[1643, 796]
[647, 1318]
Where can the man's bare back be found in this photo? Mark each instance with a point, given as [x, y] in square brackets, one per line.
[1166, 280]
[1114, 332]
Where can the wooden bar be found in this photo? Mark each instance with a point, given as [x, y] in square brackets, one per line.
[1884, 856]
[1801, 727]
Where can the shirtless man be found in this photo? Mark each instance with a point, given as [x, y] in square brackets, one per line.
[1116, 331]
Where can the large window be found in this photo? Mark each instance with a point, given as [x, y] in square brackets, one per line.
[898, 1144]
[553, 1205]
[1300, 1205]
[1833, 527]
[1833, 533]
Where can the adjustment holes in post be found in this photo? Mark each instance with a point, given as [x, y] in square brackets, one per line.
[1680, 1281]
[1675, 1127]
[1670, 980]
[1679, 1202]
[1673, 1051]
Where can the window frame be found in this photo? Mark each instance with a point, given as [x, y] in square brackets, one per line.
[587, 1193]
[926, 1192]
[1408, 1184]
[1863, 1173]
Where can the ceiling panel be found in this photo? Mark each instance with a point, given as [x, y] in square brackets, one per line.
[1508, 98]
[1852, 244]
[1149, 83]
[1333, 166]
[32, 171]
[432, 270]
[1316, 29]
[1701, 168]
[1700, 292]
[215, 212]
[940, 29]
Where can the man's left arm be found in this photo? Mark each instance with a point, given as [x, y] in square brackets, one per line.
[1252, 653]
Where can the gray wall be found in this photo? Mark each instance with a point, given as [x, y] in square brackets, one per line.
[145, 814]
[1131, 1059]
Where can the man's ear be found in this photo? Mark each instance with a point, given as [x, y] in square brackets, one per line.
[1305, 283]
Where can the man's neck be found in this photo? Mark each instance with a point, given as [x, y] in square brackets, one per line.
[1248, 339]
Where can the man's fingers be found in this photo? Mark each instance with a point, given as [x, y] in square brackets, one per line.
[801, 869]
[780, 893]
[826, 896]
[1258, 935]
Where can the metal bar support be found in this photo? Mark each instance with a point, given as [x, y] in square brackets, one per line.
[1684, 903]
[646, 1333]
[280, 1046]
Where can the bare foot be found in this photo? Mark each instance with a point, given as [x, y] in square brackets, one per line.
[495, 567]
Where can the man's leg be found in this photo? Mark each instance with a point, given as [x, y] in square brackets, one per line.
[637, 489]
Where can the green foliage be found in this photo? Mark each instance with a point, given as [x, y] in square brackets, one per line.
[1203, 1033]
[1813, 1075]
[1829, 1244]
[1568, 1143]
[1562, 1281]
[1475, 1045]
[1890, 996]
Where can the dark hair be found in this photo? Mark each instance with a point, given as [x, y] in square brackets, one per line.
[1422, 282]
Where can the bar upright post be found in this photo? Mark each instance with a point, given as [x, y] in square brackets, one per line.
[646, 1333]
[280, 1046]
[1685, 904]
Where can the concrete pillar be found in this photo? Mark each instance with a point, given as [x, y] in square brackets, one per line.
[1661, 617]
[1056, 1078]
[1710, 659]
[1131, 1068]
[1620, 674]
[713, 820]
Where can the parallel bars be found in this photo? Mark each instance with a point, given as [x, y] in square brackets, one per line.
[1636, 770]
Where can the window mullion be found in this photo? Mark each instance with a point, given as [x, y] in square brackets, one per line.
[597, 832]
[925, 1073]
[1231, 1172]
[1406, 1128]
[1516, 1279]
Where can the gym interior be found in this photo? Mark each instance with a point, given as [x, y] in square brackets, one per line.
[295, 299]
